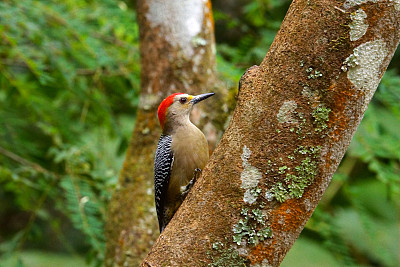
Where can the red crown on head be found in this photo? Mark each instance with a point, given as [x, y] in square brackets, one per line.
[162, 108]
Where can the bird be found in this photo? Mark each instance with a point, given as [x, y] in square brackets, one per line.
[182, 153]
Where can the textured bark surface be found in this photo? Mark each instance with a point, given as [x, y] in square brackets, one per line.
[295, 117]
[177, 55]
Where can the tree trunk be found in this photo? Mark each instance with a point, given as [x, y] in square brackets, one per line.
[293, 122]
[177, 55]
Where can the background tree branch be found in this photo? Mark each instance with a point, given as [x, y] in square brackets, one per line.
[177, 50]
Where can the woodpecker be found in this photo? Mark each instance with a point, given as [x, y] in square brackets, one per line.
[182, 152]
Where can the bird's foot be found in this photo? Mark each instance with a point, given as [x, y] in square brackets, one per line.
[185, 189]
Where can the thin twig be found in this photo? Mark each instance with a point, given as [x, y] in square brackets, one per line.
[42, 197]
[341, 10]
[23, 161]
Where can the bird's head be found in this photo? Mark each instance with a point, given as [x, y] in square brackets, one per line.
[178, 106]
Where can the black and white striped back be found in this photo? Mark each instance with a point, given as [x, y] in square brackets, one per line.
[162, 172]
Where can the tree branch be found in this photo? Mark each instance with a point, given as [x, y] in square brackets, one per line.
[25, 162]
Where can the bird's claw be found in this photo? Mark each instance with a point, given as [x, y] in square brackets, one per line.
[186, 189]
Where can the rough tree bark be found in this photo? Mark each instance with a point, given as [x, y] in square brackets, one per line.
[177, 55]
[295, 117]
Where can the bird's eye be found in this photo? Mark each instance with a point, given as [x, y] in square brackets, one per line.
[183, 100]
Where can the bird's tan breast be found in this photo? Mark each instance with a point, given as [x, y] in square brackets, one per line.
[190, 150]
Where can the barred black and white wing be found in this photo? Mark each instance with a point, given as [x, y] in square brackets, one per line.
[162, 173]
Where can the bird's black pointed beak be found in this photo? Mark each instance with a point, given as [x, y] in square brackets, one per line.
[201, 97]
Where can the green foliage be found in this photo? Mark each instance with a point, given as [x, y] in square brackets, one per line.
[258, 24]
[42, 258]
[381, 122]
[69, 73]
[309, 252]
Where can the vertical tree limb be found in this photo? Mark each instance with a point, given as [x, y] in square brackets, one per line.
[293, 122]
[177, 55]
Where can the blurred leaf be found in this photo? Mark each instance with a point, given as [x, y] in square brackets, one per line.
[306, 252]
